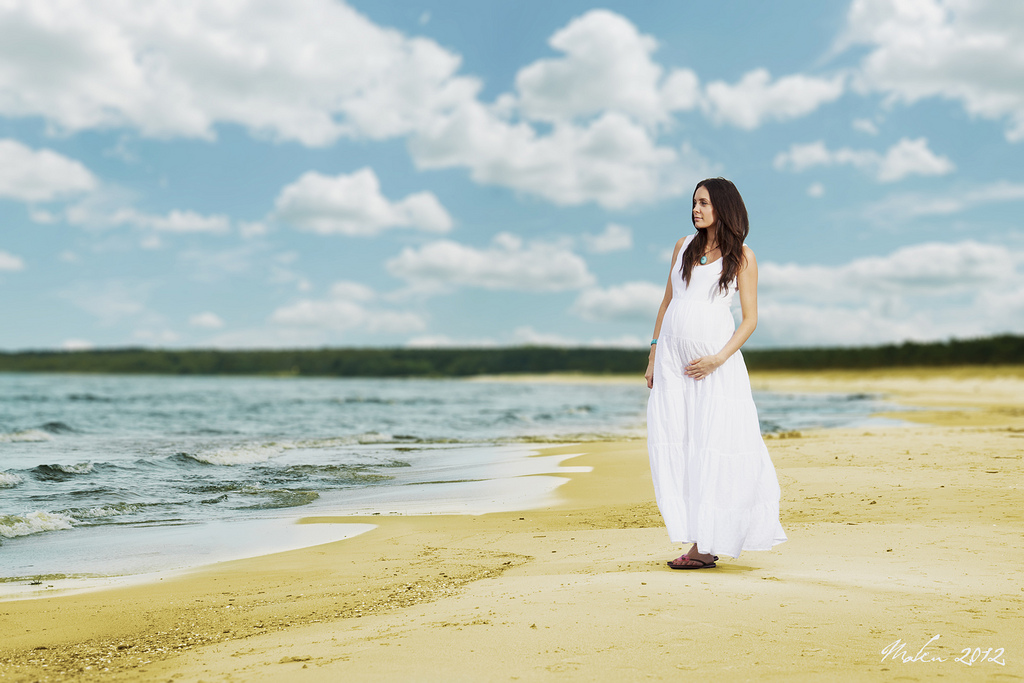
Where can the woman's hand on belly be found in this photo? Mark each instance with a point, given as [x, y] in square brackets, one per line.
[699, 368]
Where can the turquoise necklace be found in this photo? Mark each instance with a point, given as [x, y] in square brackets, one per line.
[704, 258]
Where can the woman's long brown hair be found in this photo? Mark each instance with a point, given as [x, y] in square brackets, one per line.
[732, 227]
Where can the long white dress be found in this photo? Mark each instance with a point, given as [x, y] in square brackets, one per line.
[713, 478]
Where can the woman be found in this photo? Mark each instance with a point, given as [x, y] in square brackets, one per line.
[714, 482]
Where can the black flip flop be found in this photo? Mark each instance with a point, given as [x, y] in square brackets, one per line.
[703, 565]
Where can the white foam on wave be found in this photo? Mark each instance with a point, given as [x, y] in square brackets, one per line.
[104, 511]
[77, 468]
[249, 454]
[34, 523]
[239, 455]
[328, 442]
[8, 480]
[25, 435]
[374, 437]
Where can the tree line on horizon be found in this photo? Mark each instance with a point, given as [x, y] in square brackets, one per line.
[1004, 349]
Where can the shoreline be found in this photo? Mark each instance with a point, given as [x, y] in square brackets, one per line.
[512, 477]
[578, 590]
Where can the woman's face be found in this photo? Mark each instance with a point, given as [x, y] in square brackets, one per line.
[703, 212]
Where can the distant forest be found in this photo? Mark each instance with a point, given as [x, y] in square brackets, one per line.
[345, 362]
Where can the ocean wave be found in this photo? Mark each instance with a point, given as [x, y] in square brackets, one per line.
[250, 454]
[90, 397]
[238, 455]
[39, 521]
[8, 480]
[36, 522]
[57, 427]
[384, 438]
[58, 472]
[278, 498]
[25, 435]
[376, 400]
[331, 474]
[101, 512]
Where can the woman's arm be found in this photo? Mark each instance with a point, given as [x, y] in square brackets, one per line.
[746, 281]
[665, 301]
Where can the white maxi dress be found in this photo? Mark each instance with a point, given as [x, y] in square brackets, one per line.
[713, 478]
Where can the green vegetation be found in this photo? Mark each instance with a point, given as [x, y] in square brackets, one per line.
[1007, 349]
[1000, 350]
[332, 362]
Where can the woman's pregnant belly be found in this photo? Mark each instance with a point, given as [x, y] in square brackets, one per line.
[708, 324]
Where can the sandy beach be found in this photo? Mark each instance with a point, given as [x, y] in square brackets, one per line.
[903, 557]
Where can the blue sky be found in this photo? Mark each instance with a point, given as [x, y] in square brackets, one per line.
[312, 172]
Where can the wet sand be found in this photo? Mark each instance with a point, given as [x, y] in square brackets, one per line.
[896, 534]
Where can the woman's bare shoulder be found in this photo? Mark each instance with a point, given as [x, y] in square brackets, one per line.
[748, 258]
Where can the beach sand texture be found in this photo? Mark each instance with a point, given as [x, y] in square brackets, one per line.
[896, 534]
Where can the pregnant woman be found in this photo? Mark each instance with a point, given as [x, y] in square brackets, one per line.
[713, 479]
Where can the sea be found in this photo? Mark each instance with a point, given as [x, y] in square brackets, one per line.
[127, 475]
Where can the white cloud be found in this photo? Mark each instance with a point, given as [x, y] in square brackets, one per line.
[269, 337]
[681, 90]
[77, 345]
[607, 66]
[923, 291]
[42, 216]
[307, 70]
[354, 205]
[159, 336]
[96, 212]
[908, 206]
[756, 99]
[865, 126]
[442, 341]
[206, 320]
[506, 264]
[525, 336]
[912, 157]
[10, 262]
[313, 71]
[528, 336]
[816, 190]
[612, 160]
[624, 341]
[39, 175]
[181, 221]
[602, 99]
[906, 157]
[352, 291]
[349, 306]
[252, 229]
[614, 238]
[213, 265]
[628, 301]
[968, 51]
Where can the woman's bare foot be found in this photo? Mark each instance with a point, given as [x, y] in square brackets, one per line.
[693, 560]
[706, 558]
